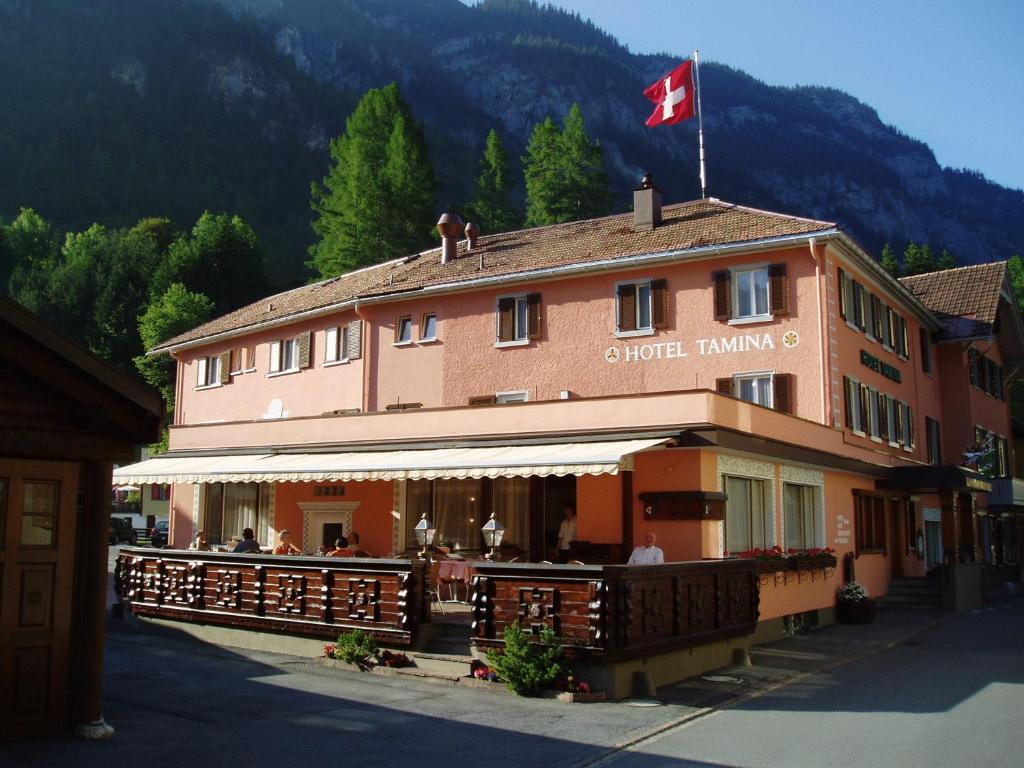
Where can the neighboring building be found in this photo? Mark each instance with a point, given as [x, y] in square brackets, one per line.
[637, 366]
[65, 416]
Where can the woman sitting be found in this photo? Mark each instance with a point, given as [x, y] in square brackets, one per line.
[285, 546]
[199, 544]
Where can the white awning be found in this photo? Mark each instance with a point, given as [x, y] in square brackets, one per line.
[600, 458]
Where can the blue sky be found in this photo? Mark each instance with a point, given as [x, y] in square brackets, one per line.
[948, 73]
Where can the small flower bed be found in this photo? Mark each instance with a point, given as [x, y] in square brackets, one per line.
[852, 592]
[570, 682]
[481, 671]
[392, 659]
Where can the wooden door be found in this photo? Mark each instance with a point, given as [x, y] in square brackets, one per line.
[37, 534]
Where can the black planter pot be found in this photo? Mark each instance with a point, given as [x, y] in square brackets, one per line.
[859, 612]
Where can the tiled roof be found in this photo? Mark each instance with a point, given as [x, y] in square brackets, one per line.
[686, 225]
[966, 298]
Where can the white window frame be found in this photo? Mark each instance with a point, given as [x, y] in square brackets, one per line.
[399, 341]
[768, 508]
[520, 323]
[874, 420]
[734, 279]
[638, 285]
[857, 419]
[423, 328]
[512, 396]
[755, 376]
[891, 408]
[336, 345]
[208, 368]
[279, 354]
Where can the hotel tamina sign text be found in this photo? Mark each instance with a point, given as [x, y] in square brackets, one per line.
[674, 350]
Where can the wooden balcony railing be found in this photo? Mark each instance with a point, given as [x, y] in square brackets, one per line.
[618, 611]
[309, 596]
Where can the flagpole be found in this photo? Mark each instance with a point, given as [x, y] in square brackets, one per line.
[700, 129]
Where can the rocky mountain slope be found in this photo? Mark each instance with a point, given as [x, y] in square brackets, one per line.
[123, 108]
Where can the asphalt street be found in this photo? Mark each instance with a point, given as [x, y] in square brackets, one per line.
[953, 696]
[924, 690]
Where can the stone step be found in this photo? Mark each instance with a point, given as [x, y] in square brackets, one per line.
[445, 664]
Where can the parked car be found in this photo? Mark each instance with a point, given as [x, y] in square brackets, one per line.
[158, 534]
[121, 531]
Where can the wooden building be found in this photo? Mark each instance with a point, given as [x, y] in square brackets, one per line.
[65, 418]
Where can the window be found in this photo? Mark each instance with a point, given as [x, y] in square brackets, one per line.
[230, 508]
[985, 374]
[428, 328]
[869, 512]
[159, 492]
[801, 507]
[908, 427]
[511, 397]
[403, 330]
[931, 427]
[336, 342]
[745, 518]
[767, 389]
[213, 371]
[641, 306]
[875, 414]
[755, 389]
[518, 318]
[289, 355]
[751, 293]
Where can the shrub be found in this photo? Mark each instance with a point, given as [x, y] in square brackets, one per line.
[355, 647]
[852, 592]
[525, 666]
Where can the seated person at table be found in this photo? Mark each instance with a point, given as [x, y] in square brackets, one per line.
[248, 543]
[199, 544]
[341, 549]
[648, 554]
[353, 543]
[285, 546]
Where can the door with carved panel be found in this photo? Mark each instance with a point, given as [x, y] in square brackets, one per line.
[37, 555]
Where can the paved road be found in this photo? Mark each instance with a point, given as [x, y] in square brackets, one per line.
[954, 696]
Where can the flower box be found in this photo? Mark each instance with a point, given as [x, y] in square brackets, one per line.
[855, 612]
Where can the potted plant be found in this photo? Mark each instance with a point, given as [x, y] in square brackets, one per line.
[854, 605]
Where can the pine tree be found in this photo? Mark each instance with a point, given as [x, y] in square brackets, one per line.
[377, 200]
[889, 262]
[542, 169]
[565, 174]
[946, 261]
[585, 176]
[918, 260]
[494, 209]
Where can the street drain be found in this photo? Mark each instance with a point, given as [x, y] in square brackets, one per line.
[643, 703]
[722, 679]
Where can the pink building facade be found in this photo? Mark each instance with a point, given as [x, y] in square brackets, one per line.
[729, 379]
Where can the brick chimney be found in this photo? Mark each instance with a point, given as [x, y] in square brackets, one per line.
[450, 226]
[646, 205]
[472, 233]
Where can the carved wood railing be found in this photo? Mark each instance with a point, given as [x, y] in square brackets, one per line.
[309, 596]
[618, 611]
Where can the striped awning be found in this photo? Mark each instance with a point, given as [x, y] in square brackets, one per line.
[597, 458]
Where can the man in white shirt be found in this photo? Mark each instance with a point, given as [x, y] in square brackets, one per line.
[647, 554]
[566, 532]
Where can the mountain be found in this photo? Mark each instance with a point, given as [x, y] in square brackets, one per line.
[123, 108]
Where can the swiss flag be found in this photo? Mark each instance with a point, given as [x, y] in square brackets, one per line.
[674, 96]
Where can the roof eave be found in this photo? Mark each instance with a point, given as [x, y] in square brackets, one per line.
[549, 273]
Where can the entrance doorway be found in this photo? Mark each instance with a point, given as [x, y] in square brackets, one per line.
[932, 538]
[37, 555]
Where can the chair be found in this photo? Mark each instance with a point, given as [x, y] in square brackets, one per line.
[435, 584]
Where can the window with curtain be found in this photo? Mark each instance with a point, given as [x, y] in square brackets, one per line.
[801, 509]
[510, 501]
[230, 508]
[745, 517]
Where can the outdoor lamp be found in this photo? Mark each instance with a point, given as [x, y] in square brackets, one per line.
[493, 532]
[425, 532]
